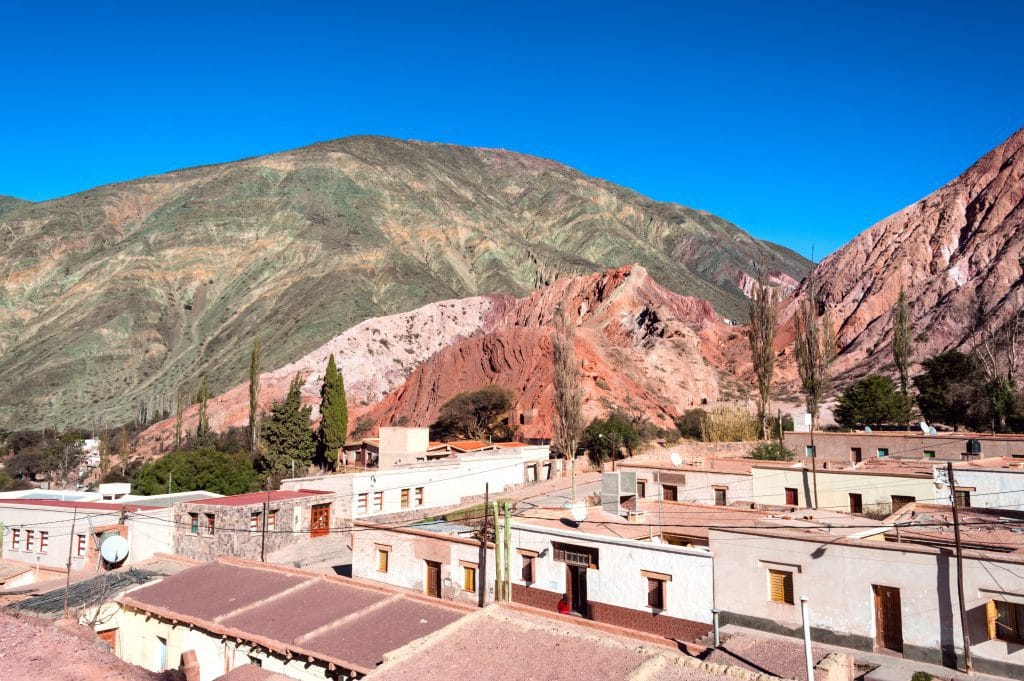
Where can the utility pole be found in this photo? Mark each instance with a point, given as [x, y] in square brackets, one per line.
[263, 538]
[814, 465]
[71, 543]
[968, 662]
[499, 583]
[483, 545]
[507, 553]
[572, 474]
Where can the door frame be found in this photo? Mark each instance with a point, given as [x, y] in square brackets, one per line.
[888, 628]
[579, 602]
[427, 582]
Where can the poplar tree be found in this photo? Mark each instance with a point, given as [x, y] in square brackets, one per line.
[761, 334]
[815, 351]
[203, 428]
[333, 413]
[254, 396]
[901, 348]
[568, 391]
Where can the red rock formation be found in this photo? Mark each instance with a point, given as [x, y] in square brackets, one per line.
[959, 253]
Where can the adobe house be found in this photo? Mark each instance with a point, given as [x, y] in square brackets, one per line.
[859, 446]
[253, 525]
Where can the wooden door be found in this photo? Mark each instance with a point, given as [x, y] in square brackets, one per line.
[320, 520]
[433, 585]
[888, 618]
[576, 586]
[792, 496]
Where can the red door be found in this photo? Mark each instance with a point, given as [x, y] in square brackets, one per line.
[792, 497]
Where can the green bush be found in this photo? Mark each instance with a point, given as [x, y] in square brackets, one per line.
[205, 468]
[728, 424]
[921, 676]
[689, 423]
[771, 451]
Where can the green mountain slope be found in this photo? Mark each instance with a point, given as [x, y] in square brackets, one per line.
[111, 298]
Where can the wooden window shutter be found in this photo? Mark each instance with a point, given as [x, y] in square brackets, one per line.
[781, 586]
[991, 618]
[468, 578]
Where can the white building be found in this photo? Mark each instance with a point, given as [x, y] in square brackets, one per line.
[985, 483]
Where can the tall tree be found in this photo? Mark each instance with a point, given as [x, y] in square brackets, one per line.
[255, 361]
[333, 413]
[287, 438]
[179, 416]
[948, 387]
[568, 390]
[872, 401]
[815, 351]
[203, 427]
[901, 347]
[761, 334]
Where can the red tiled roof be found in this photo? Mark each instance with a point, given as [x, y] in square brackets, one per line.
[82, 505]
[468, 445]
[260, 497]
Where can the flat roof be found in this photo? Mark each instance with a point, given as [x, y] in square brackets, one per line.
[704, 465]
[81, 505]
[260, 497]
[334, 619]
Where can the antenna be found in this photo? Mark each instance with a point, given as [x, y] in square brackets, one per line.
[114, 548]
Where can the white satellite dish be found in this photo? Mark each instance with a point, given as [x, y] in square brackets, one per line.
[114, 548]
[867, 429]
[932, 431]
[677, 460]
[579, 512]
[924, 428]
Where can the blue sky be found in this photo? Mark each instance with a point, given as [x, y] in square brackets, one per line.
[803, 123]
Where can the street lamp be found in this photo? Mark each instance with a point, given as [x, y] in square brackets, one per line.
[611, 442]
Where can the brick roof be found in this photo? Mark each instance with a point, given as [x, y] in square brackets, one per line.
[253, 498]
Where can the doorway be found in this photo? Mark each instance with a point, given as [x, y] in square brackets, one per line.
[433, 581]
[576, 586]
[888, 618]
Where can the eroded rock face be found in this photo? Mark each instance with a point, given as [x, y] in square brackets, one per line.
[641, 347]
[959, 253]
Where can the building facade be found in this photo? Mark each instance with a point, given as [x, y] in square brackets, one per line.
[858, 446]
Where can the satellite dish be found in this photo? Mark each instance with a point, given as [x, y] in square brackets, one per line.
[932, 431]
[114, 548]
[579, 512]
[925, 428]
[677, 460]
[867, 429]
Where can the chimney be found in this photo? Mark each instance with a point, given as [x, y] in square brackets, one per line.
[190, 663]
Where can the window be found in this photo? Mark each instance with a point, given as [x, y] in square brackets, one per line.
[210, 524]
[30, 540]
[254, 522]
[583, 556]
[855, 455]
[856, 503]
[378, 501]
[529, 559]
[669, 492]
[469, 577]
[405, 497]
[792, 496]
[272, 520]
[194, 522]
[16, 540]
[80, 546]
[363, 504]
[1005, 621]
[720, 493]
[383, 552]
[929, 453]
[656, 585]
[44, 541]
[899, 502]
[641, 488]
[809, 450]
[419, 496]
[882, 452]
[780, 586]
[962, 497]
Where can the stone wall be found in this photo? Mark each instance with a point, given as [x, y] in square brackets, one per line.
[232, 535]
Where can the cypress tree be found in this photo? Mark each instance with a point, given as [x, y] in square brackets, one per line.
[203, 428]
[333, 413]
[254, 396]
[287, 437]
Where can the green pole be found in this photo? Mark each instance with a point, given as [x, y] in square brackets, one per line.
[498, 579]
[507, 553]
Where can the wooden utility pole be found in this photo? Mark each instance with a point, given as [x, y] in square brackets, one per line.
[814, 465]
[483, 546]
[968, 662]
[507, 553]
[71, 543]
[263, 538]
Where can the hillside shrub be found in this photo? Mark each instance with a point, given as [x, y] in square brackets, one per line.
[728, 424]
[771, 451]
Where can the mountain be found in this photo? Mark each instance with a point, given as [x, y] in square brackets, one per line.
[9, 203]
[959, 254]
[112, 298]
[642, 348]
